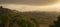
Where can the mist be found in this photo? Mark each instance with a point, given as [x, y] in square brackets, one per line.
[32, 5]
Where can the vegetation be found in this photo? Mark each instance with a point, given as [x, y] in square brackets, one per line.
[13, 18]
[56, 23]
[10, 18]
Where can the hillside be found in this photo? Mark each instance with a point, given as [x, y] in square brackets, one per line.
[41, 17]
[38, 18]
[13, 18]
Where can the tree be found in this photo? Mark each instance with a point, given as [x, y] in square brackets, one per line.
[56, 23]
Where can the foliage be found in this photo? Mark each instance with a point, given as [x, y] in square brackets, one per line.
[56, 23]
[9, 18]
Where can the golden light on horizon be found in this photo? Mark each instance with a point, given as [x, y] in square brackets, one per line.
[19, 7]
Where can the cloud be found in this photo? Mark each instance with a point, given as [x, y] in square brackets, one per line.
[28, 2]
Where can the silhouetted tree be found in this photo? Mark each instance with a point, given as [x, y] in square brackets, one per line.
[56, 23]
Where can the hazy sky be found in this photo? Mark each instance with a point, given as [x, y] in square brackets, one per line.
[32, 5]
[28, 2]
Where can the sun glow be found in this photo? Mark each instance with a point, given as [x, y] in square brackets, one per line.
[53, 7]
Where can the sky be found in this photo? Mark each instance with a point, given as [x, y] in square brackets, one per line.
[32, 5]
